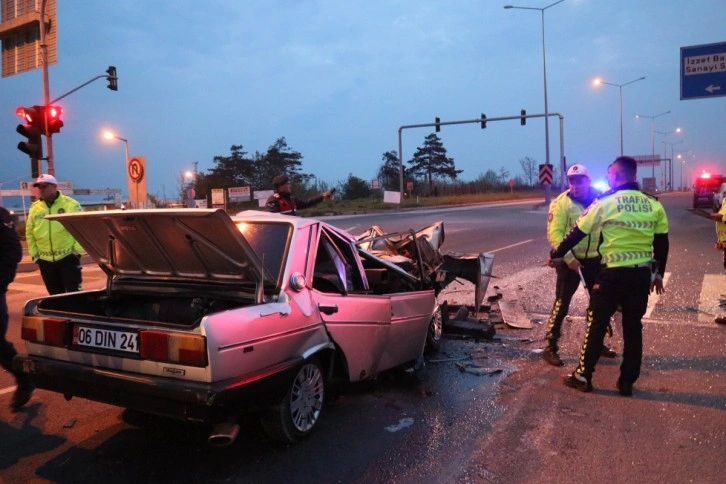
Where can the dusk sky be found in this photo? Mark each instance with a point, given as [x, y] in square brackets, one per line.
[338, 78]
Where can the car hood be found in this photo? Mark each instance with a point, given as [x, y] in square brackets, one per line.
[192, 244]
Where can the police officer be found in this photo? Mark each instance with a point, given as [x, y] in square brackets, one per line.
[282, 200]
[50, 245]
[10, 254]
[634, 231]
[582, 259]
[720, 219]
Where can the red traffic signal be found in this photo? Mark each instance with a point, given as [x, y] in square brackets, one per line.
[53, 115]
[32, 130]
[32, 115]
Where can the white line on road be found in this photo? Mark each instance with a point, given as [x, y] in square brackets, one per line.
[655, 297]
[510, 246]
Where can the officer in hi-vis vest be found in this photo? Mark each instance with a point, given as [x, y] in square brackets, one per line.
[634, 239]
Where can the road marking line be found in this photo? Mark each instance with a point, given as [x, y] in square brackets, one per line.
[712, 290]
[510, 246]
[655, 297]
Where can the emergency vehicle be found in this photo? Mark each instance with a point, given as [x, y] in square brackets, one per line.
[703, 190]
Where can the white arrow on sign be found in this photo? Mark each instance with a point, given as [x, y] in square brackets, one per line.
[712, 88]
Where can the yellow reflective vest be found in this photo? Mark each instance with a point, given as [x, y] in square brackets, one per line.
[721, 226]
[627, 219]
[49, 240]
[563, 213]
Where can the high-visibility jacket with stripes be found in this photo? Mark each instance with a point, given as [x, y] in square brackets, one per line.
[627, 219]
[563, 213]
[49, 240]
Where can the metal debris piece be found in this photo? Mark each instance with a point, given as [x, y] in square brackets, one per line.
[513, 315]
[477, 370]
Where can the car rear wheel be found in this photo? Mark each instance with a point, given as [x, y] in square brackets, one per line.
[433, 337]
[300, 410]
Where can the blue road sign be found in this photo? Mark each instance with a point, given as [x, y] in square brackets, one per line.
[703, 71]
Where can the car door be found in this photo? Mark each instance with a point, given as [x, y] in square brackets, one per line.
[358, 323]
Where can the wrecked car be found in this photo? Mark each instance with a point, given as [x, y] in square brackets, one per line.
[205, 316]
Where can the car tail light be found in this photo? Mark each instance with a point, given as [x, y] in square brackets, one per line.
[47, 331]
[186, 349]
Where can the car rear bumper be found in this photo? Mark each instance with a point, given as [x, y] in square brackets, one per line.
[184, 400]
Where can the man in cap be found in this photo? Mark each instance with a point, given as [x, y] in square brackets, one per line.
[282, 201]
[10, 254]
[50, 245]
[581, 263]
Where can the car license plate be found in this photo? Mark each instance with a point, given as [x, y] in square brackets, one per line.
[106, 339]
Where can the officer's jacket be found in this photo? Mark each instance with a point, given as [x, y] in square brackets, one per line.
[563, 214]
[721, 226]
[289, 205]
[627, 219]
[10, 254]
[49, 240]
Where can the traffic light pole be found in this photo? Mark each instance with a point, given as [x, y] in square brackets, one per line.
[46, 89]
[483, 120]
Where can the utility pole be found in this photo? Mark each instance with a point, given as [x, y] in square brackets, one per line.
[46, 85]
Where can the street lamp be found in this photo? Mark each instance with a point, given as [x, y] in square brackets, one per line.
[599, 81]
[544, 70]
[652, 136]
[668, 170]
[671, 163]
[109, 135]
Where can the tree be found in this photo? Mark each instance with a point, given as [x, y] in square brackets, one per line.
[278, 160]
[530, 168]
[430, 161]
[229, 171]
[256, 172]
[503, 175]
[389, 171]
[355, 188]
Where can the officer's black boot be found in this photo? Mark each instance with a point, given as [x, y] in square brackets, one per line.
[23, 392]
[550, 356]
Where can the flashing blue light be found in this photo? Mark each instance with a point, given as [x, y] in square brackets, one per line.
[601, 185]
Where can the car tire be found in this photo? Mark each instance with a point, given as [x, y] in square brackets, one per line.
[435, 332]
[300, 410]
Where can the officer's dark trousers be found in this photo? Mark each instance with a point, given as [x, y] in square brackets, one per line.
[7, 350]
[567, 284]
[61, 276]
[628, 287]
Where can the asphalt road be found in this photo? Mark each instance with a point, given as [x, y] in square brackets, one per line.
[513, 421]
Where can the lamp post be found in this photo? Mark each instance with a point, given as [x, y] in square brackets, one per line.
[544, 70]
[671, 163]
[110, 135]
[652, 135]
[599, 81]
[668, 170]
[191, 188]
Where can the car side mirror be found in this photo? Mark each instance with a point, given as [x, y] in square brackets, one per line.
[297, 282]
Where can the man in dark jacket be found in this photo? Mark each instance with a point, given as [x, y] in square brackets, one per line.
[282, 200]
[10, 254]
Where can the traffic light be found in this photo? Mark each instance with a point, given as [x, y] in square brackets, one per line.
[483, 121]
[32, 130]
[53, 118]
[523, 120]
[112, 79]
